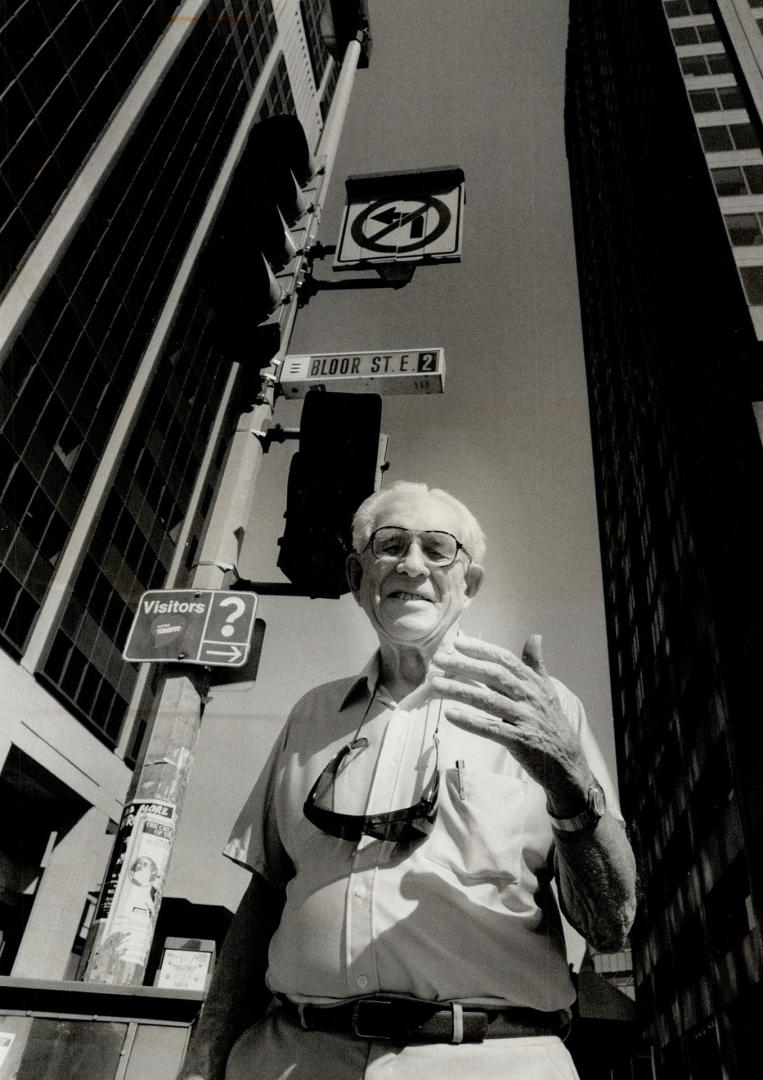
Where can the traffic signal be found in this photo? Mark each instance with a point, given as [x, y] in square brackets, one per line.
[334, 469]
[342, 23]
[260, 228]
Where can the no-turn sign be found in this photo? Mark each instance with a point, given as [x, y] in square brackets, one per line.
[402, 217]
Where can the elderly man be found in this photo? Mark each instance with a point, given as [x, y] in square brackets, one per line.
[403, 839]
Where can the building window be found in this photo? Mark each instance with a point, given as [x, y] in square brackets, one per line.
[744, 1015]
[278, 97]
[688, 952]
[651, 575]
[704, 101]
[694, 35]
[684, 35]
[721, 137]
[710, 100]
[257, 30]
[328, 90]
[635, 648]
[744, 229]
[719, 64]
[715, 64]
[730, 97]
[712, 792]
[316, 47]
[676, 9]
[716, 139]
[658, 625]
[694, 65]
[752, 279]
[726, 909]
[738, 180]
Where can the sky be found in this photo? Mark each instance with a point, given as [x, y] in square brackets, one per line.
[479, 85]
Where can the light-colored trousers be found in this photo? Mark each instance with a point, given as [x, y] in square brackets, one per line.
[277, 1048]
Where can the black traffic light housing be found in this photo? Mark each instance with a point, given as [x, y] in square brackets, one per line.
[251, 240]
[343, 21]
[334, 469]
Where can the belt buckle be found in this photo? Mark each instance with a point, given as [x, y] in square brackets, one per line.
[355, 1020]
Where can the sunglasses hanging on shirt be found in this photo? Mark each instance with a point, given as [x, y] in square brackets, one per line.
[395, 826]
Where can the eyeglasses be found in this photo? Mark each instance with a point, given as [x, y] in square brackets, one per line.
[396, 826]
[437, 548]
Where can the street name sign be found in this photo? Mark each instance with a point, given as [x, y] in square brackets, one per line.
[409, 371]
[213, 627]
[414, 216]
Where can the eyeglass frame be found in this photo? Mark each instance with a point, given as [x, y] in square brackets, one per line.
[417, 533]
[393, 826]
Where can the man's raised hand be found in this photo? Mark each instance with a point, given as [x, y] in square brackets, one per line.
[491, 691]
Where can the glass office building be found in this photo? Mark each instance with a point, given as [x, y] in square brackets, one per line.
[664, 137]
[121, 122]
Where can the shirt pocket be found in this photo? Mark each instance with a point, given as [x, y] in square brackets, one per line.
[480, 827]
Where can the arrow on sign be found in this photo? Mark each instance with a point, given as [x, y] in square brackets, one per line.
[425, 228]
[231, 654]
[396, 219]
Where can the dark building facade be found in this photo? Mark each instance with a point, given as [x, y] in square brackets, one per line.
[664, 137]
[123, 124]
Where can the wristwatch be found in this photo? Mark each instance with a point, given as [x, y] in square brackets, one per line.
[596, 804]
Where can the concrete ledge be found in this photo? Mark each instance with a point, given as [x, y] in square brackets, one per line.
[92, 1000]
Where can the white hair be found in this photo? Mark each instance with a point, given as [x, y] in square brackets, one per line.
[473, 537]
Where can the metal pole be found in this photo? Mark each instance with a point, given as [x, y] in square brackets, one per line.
[120, 940]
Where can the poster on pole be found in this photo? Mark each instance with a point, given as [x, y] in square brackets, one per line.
[131, 894]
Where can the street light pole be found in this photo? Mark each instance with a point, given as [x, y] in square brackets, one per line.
[120, 938]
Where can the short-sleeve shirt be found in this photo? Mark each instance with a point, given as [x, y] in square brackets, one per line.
[467, 914]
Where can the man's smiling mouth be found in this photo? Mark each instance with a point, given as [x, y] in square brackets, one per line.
[400, 594]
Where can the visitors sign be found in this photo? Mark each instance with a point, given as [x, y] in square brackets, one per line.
[192, 626]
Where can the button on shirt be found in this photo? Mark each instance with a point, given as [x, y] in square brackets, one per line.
[465, 914]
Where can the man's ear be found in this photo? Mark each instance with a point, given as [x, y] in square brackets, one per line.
[473, 577]
[354, 570]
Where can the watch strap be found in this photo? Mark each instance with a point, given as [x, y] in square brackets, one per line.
[588, 818]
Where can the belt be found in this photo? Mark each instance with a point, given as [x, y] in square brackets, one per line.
[409, 1020]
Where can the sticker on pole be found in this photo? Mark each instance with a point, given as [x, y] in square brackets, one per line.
[132, 889]
[192, 626]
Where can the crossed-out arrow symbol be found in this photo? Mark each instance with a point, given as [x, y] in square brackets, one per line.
[389, 216]
[395, 219]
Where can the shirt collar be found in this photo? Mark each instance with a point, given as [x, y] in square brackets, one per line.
[364, 683]
[368, 679]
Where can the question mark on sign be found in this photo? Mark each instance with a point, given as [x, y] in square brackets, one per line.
[232, 601]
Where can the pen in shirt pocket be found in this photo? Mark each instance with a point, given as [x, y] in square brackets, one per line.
[460, 778]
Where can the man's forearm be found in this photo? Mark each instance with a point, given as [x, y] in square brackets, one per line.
[596, 871]
[237, 994]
